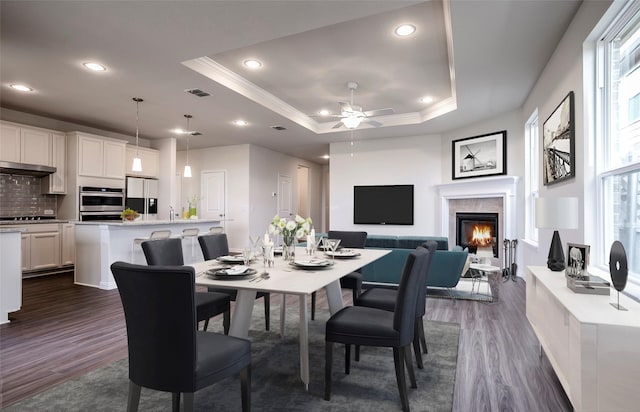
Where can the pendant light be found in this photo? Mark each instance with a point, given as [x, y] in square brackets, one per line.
[187, 168]
[137, 162]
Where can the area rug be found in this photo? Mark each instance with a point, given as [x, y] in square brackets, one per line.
[276, 385]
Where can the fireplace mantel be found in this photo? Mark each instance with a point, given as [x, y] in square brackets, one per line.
[504, 187]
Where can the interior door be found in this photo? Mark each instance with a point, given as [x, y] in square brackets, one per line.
[213, 203]
[285, 197]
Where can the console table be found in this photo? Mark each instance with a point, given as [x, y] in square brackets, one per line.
[593, 348]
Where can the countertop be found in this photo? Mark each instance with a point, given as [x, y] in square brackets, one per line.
[150, 222]
[31, 222]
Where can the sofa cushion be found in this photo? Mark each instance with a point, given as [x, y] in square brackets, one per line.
[381, 241]
[412, 242]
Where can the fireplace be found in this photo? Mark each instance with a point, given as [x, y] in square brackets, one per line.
[478, 232]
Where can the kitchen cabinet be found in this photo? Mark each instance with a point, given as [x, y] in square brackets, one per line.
[150, 162]
[10, 274]
[68, 254]
[40, 246]
[23, 144]
[56, 183]
[25, 242]
[100, 157]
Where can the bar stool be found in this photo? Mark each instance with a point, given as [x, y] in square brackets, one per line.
[216, 229]
[155, 235]
[192, 233]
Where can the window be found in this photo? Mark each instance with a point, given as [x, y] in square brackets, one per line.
[618, 133]
[532, 177]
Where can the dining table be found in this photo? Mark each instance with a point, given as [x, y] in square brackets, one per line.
[288, 278]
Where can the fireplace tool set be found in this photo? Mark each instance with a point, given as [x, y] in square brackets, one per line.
[510, 270]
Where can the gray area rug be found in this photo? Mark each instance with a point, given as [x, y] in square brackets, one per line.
[276, 386]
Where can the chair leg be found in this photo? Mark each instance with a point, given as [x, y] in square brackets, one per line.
[409, 362]
[328, 362]
[355, 293]
[398, 360]
[134, 397]
[245, 388]
[267, 311]
[313, 306]
[423, 338]
[226, 321]
[416, 343]
[175, 402]
[357, 357]
[206, 325]
[347, 359]
[188, 402]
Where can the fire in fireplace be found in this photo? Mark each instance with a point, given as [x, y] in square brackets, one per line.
[478, 232]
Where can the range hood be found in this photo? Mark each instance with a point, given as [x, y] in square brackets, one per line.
[13, 168]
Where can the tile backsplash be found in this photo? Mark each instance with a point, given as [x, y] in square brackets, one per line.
[20, 196]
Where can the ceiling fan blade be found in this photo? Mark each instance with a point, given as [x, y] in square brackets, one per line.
[379, 112]
[338, 125]
[326, 116]
[345, 107]
[372, 123]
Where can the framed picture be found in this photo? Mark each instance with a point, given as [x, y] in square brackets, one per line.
[558, 143]
[483, 155]
[577, 260]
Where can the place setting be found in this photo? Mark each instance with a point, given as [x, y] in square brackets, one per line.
[312, 264]
[237, 272]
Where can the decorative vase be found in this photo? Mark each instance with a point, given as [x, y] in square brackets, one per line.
[289, 248]
[192, 210]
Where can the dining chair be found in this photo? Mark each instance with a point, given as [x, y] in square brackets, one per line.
[215, 245]
[168, 252]
[353, 280]
[361, 325]
[166, 352]
[385, 299]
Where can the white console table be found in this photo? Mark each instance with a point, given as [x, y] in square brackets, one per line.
[593, 348]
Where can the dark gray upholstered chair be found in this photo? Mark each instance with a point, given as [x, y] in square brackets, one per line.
[166, 352]
[168, 252]
[215, 245]
[353, 280]
[382, 298]
[360, 325]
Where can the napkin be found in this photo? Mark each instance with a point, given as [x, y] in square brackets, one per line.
[236, 270]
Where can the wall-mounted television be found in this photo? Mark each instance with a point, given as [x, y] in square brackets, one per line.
[383, 205]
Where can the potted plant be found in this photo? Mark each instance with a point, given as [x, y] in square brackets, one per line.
[129, 214]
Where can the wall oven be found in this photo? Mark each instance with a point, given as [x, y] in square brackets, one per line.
[101, 203]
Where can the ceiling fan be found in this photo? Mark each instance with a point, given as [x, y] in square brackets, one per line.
[352, 115]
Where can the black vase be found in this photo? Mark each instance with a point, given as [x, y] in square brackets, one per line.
[618, 266]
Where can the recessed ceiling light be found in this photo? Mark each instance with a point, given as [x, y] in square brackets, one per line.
[405, 30]
[323, 112]
[179, 131]
[21, 87]
[252, 64]
[325, 156]
[240, 123]
[426, 99]
[94, 66]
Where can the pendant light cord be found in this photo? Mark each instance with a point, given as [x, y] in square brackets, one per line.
[137, 100]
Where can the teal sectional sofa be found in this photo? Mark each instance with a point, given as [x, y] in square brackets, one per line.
[446, 266]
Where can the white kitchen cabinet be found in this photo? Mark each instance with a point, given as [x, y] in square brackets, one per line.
[35, 146]
[9, 142]
[150, 162]
[25, 251]
[10, 273]
[68, 255]
[45, 250]
[56, 183]
[98, 157]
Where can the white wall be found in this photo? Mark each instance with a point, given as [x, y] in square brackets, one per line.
[407, 160]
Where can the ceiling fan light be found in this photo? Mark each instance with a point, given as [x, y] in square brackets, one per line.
[137, 164]
[351, 122]
[187, 171]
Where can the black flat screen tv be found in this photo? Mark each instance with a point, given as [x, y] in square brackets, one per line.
[383, 205]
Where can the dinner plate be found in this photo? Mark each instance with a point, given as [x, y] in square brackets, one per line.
[344, 253]
[237, 272]
[231, 259]
[312, 263]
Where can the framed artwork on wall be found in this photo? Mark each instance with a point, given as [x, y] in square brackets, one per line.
[577, 260]
[484, 155]
[558, 143]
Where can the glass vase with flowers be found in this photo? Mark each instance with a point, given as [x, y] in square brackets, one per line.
[290, 230]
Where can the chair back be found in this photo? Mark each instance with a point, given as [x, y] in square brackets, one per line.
[163, 252]
[405, 313]
[160, 315]
[349, 239]
[190, 232]
[431, 246]
[213, 246]
[160, 234]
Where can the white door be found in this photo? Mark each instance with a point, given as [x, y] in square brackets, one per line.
[213, 204]
[285, 197]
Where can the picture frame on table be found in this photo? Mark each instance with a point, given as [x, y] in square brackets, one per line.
[558, 143]
[577, 260]
[479, 156]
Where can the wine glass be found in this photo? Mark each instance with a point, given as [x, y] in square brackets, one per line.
[333, 245]
[255, 243]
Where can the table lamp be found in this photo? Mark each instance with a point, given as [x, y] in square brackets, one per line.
[556, 213]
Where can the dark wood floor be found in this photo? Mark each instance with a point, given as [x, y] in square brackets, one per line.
[64, 331]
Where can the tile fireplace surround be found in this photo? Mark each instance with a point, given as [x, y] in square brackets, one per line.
[491, 194]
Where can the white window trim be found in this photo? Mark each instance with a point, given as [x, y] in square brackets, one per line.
[531, 156]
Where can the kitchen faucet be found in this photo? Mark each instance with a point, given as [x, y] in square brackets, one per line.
[171, 213]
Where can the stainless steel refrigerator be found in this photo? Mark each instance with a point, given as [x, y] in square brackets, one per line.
[142, 196]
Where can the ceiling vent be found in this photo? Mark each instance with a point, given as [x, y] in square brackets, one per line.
[197, 92]
[278, 128]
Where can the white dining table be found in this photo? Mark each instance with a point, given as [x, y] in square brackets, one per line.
[287, 279]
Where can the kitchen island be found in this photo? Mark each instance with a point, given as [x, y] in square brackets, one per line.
[10, 272]
[99, 244]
